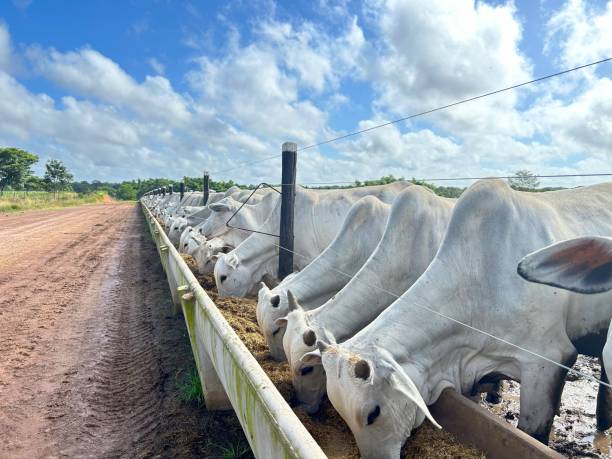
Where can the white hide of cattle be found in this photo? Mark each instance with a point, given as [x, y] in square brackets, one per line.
[183, 223]
[221, 238]
[582, 265]
[318, 217]
[413, 234]
[207, 254]
[381, 379]
[328, 273]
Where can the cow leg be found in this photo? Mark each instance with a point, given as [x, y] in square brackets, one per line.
[604, 402]
[541, 387]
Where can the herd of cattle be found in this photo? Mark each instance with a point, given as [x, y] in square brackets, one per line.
[394, 286]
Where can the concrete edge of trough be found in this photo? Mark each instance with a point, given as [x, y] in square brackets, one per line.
[269, 423]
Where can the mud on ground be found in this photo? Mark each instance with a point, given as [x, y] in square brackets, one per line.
[574, 432]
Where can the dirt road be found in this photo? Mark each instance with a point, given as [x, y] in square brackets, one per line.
[90, 354]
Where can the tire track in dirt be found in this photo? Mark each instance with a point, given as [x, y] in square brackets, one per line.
[41, 298]
[90, 354]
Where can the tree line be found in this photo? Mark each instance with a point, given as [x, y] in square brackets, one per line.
[16, 174]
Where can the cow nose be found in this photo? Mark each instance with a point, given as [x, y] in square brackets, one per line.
[222, 278]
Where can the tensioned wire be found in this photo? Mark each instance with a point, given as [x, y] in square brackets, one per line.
[426, 112]
[347, 182]
[471, 327]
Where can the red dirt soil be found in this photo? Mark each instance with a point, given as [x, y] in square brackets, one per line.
[90, 354]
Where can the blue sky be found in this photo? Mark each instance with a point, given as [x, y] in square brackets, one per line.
[131, 89]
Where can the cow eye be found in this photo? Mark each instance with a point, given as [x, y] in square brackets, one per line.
[373, 415]
[275, 331]
[275, 300]
[306, 370]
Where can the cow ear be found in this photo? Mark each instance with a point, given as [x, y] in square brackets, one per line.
[219, 207]
[293, 302]
[311, 358]
[281, 322]
[406, 386]
[582, 265]
[263, 286]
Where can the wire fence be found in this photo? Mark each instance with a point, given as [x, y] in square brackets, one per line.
[461, 323]
[427, 112]
[433, 179]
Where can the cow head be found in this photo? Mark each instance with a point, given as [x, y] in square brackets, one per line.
[271, 306]
[231, 277]
[191, 244]
[238, 273]
[304, 359]
[215, 224]
[582, 265]
[377, 399]
[207, 254]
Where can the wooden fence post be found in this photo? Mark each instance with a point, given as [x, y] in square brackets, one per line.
[170, 189]
[285, 252]
[205, 188]
[182, 190]
[164, 191]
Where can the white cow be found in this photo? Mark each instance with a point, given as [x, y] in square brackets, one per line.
[251, 216]
[318, 217]
[220, 237]
[413, 233]
[582, 265]
[186, 217]
[381, 379]
[328, 273]
[180, 224]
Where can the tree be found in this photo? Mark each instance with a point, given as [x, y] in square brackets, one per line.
[126, 192]
[15, 167]
[34, 183]
[524, 180]
[57, 177]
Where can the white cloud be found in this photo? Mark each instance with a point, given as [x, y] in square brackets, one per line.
[581, 32]
[440, 51]
[157, 66]
[287, 81]
[92, 74]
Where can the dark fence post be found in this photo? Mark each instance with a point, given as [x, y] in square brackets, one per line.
[206, 188]
[285, 252]
[164, 191]
[182, 190]
[170, 189]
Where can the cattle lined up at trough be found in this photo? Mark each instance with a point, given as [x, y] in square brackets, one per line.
[394, 285]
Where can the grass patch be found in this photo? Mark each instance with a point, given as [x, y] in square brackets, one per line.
[190, 388]
[228, 450]
[19, 201]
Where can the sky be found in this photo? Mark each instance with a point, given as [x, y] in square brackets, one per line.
[163, 88]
